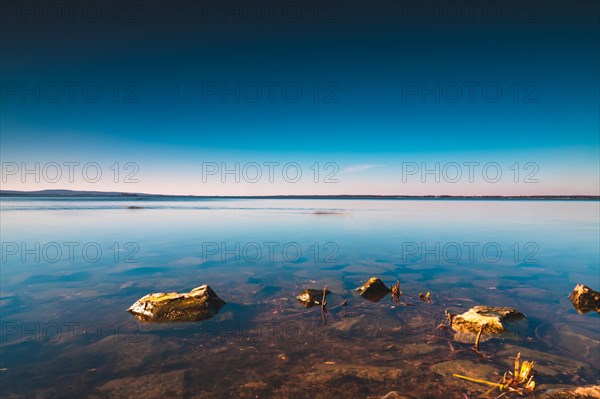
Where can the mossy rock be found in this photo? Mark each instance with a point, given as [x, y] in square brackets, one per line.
[199, 304]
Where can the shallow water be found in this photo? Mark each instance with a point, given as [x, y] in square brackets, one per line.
[71, 267]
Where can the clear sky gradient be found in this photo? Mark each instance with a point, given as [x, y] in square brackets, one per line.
[368, 90]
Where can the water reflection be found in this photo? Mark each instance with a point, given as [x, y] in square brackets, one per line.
[70, 269]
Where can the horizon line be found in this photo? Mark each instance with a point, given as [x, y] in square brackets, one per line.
[122, 194]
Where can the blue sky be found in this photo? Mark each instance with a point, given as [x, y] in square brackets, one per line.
[370, 88]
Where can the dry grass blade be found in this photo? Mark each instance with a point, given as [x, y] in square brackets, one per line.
[324, 306]
[396, 293]
[476, 347]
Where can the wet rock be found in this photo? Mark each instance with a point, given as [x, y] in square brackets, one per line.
[266, 290]
[469, 368]
[575, 337]
[311, 297]
[125, 353]
[493, 319]
[373, 290]
[585, 299]
[589, 392]
[251, 389]
[151, 386]
[552, 367]
[199, 304]
[395, 395]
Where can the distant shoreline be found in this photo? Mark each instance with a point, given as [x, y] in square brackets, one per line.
[124, 195]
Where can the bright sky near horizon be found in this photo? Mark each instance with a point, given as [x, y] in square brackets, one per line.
[228, 98]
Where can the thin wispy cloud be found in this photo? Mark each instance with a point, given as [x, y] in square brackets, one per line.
[358, 168]
[187, 261]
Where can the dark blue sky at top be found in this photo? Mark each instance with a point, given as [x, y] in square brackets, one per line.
[360, 55]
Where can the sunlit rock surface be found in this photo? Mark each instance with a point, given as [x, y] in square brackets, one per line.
[373, 290]
[311, 297]
[494, 320]
[199, 304]
[585, 299]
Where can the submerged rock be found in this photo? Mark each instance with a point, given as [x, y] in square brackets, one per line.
[373, 290]
[585, 299]
[311, 297]
[199, 304]
[395, 395]
[588, 392]
[493, 319]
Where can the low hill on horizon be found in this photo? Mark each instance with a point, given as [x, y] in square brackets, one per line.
[120, 194]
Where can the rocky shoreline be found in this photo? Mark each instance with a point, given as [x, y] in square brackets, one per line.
[477, 324]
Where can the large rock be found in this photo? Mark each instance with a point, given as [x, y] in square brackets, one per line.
[373, 290]
[493, 319]
[311, 297]
[199, 304]
[585, 299]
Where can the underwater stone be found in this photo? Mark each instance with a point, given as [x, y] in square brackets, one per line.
[373, 290]
[585, 299]
[199, 304]
[493, 319]
[395, 395]
[588, 392]
[311, 297]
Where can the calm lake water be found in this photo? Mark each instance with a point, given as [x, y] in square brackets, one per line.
[71, 267]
